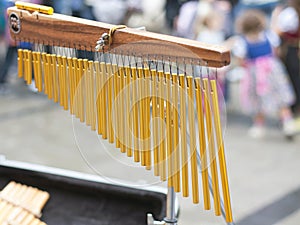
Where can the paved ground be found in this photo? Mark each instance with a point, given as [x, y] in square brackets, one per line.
[264, 174]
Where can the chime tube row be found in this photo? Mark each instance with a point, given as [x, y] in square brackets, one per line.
[221, 154]
[93, 87]
[211, 146]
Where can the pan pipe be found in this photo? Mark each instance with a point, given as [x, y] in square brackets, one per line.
[21, 204]
[144, 92]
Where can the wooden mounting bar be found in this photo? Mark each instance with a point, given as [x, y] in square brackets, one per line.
[67, 31]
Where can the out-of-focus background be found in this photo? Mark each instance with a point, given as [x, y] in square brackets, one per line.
[262, 146]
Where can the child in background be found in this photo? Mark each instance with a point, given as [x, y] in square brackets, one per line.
[265, 89]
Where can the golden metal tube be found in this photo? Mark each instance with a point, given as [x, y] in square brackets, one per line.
[167, 85]
[45, 72]
[85, 83]
[183, 142]
[202, 143]
[141, 115]
[103, 100]
[34, 64]
[135, 115]
[39, 80]
[80, 91]
[111, 85]
[193, 147]
[155, 115]
[71, 82]
[20, 63]
[54, 78]
[59, 79]
[36, 72]
[221, 154]
[175, 129]
[50, 76]
[29, 78]
[34, 7]
[161, 129]
[147, 133]
[29, 67]
[211, 144]
[65, 83]
[127, 116]
[76, 87]
[92, 95]
[98, 96]
[25, 56]
[122, 109]
[116, 84]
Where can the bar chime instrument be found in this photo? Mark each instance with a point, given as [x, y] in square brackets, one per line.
[152, 95]
[21, 204]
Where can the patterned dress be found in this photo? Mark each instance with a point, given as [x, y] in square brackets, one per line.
[266, 87]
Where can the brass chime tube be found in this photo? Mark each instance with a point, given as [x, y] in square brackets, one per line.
[29, 67]
[98, 96]
[161, 107]
[146, 81]
[51, 76]
[75, 64]
[175, 129]
[45, 69]
[141, 115]
[65, 83]
[221, 154]
[92, 95]
[193, 149]
[103, 99]
[71, 82]
[155, 115]
[86, 92]
[60, 80]
[54, 77]
[211, 144]
[116, 84]
[122, 131]
[25, 57]
[34, 65]
[39, 73]
[20, 63]
[128, 121]
[183, 141]
[135, 115]
[202, 143]
[80, 93]
[46, 73]
[167, 84]
[110, 85]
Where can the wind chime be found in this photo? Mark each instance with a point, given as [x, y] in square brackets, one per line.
[152, 95]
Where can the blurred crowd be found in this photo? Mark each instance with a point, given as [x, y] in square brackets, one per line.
[263, 36]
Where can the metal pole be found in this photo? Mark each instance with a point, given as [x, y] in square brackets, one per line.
[171, 207]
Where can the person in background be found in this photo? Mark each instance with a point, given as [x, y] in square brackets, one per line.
[265, 89]
[287, 26]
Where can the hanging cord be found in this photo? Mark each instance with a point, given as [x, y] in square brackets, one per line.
[106, 39]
